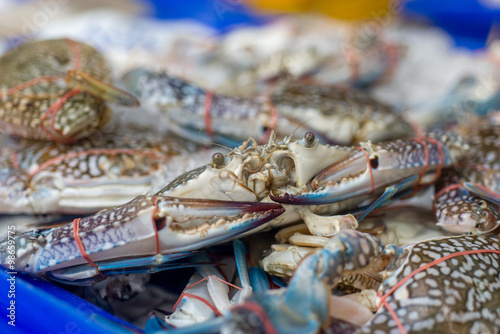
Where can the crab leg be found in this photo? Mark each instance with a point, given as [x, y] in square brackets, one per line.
[348, 251]
[145, 227]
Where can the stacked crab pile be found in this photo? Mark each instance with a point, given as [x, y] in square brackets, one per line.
[329, 158]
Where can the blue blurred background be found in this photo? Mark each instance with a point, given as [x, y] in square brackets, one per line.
[469, 22]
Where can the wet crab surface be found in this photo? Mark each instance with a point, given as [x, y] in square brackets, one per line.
[253, 188]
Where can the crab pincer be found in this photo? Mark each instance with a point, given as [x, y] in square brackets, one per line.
[142, 235]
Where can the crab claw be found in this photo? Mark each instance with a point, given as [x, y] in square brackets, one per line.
[371, 168]
[153, 229]
[197, 223]
[350, 177]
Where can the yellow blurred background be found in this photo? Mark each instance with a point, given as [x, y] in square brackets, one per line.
[340, 9]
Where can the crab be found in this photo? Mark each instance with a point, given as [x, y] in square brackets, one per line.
[315, 182]
[105, 170]
[56, 90]
[336, 115]
[467, 194]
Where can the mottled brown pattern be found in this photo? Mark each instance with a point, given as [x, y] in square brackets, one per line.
[52, 57]
[77, 162]
[483, 163]
[21, 112]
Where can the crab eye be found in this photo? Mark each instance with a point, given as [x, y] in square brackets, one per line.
[309, 138]
[374, 162]
[218, 160]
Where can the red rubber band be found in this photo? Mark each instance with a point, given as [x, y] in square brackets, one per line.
[206, 114]
[369, 166]
[423, 142]
[257, 309]
[190, 295]
[184, 294]
[441, 157]
[274, 114]
[218, 266]
[383, 299]
[393, 315]
[14, 160]
[76, 236]
[52, 111]
[352, 58]
[217, 278]
[90, 152]
[426, 152]
[487, 190]
[157, 237]
[274, 121]
[30, 83]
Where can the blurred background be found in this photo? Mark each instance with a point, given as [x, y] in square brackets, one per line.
[469, 22]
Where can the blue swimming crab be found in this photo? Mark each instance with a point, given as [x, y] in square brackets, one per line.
[317, 189]
[318, 182]
[38, 177]
[312, 181]
[56, 90]
[336, 115]
[467, 197]
[251, 173]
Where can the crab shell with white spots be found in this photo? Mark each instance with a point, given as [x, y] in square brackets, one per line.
[93, 174]
[458, 295]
